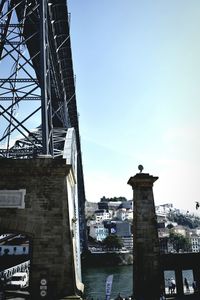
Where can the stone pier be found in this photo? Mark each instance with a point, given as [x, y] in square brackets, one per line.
[146, 254]
[47, 217]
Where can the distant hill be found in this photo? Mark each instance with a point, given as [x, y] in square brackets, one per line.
[187, 220]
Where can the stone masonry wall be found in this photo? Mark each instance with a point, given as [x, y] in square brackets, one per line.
[44, 219]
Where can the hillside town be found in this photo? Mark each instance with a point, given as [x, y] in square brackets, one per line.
[178, 231]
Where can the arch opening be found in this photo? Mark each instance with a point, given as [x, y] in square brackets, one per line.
[15, 264]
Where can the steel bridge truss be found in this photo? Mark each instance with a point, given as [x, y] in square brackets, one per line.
[36, 78]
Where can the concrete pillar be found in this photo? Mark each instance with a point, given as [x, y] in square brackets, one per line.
[146, 253]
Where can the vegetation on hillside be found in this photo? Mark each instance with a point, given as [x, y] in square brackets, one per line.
[113, 242]
[114, 199]
[187, 220]
[179, 242]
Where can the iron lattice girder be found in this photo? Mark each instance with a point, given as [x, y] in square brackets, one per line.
[25, 147]
[18, 80]
[61, 90]
[20, 99]
[15, 87]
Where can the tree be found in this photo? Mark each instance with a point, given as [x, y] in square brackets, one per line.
[170, 226]
[114, 199]
[188, 220]
[113, 241]
[90, 218]
[179, 242]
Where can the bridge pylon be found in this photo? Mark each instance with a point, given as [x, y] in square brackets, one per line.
[146, 250]
[41, 177]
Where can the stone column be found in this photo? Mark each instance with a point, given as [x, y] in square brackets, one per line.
[179, 281]
[146, 253]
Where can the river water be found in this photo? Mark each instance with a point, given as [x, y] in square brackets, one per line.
[94, 279]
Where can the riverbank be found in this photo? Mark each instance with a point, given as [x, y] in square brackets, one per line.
[107, 259]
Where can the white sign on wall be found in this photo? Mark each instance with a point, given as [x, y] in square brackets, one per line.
[12, 198]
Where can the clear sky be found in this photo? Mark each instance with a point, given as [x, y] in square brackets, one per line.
[137, 67]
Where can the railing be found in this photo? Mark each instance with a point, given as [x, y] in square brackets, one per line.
[23, 267]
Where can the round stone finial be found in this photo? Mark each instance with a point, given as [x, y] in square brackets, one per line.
[140, 167]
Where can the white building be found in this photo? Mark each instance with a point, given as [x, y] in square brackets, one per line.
[98, 232]
[164, 209]
[197, 231]
[124, 214]
[125, 211]
[174, 224]
[121, 214]
[128, 242]
[195, 242]
[101, 215]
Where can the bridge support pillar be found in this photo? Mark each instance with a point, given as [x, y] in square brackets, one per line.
[179, 281]
[146, 253]
[196, 274]
[48, 218]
